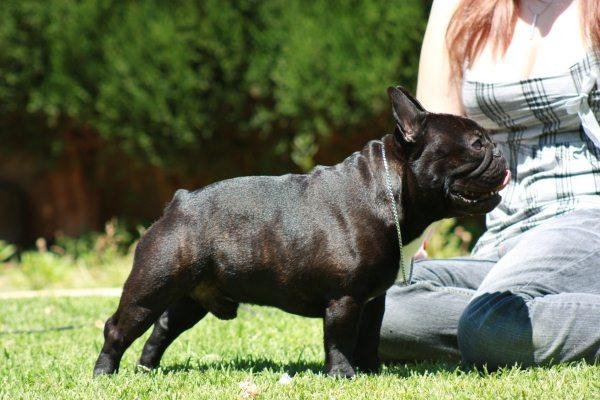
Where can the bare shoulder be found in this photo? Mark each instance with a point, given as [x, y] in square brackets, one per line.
[436, 88]
[440, 15]
[442, 10]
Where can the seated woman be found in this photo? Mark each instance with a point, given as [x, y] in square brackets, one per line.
[529, 294]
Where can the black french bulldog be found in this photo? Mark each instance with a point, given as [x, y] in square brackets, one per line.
[322, 244]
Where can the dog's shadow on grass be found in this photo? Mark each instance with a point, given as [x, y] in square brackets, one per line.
[257, 365]
[405, 370]
[252, 365]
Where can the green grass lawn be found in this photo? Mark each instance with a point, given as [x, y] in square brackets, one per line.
[39, 358]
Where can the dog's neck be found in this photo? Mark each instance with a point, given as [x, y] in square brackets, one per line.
[365, 177]
[412, 207]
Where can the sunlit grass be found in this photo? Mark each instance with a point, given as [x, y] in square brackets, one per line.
[48, 348]
[37, 270]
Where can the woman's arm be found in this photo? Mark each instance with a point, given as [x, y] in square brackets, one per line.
[435, 88]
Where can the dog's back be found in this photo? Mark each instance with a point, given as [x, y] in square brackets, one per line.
[266, 239]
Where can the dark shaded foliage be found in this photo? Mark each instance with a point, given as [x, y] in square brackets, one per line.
[190, 85]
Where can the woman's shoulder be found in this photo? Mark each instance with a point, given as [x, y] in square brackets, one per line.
[436, 88]
[442, 11]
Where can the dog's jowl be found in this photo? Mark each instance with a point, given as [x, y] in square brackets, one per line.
[323, 244]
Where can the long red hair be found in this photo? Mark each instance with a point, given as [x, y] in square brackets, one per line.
[476, 22]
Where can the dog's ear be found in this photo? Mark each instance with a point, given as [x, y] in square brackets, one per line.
[409, 114]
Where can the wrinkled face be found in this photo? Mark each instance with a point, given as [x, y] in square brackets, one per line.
[450, 158]
[471, 169]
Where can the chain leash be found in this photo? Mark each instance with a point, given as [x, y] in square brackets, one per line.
[388, 185]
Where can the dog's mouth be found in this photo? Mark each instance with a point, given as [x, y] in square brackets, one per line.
[472, 197]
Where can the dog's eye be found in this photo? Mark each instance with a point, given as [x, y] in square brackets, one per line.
[477, 144]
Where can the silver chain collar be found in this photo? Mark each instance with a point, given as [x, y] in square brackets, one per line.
[388, 185]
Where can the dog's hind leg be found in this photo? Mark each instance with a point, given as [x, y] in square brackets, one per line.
[132, 318]
[180, 316]
[157, 279]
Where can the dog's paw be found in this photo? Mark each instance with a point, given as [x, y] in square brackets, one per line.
[368, 364]
[143, 368]
[105, 365]
[149, 360]
[341, 371]
[369, 367]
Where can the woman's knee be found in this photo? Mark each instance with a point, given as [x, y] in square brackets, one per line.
[420, 322]
[495, 330]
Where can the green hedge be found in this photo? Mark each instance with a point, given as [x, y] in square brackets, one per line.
[183, 82]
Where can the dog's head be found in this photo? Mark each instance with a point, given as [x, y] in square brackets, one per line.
[448, 157]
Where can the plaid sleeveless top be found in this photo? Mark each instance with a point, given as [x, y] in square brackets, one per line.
[548, 130]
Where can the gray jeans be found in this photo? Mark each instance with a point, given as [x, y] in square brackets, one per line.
[535, 301]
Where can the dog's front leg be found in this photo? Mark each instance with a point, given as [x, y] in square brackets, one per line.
[365, 354]
[341, 330]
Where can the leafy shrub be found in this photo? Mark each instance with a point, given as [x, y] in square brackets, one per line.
[43, 269]
[454, 238]
[97, 247]
[7, 251]
[173, 82]
[94, 259]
